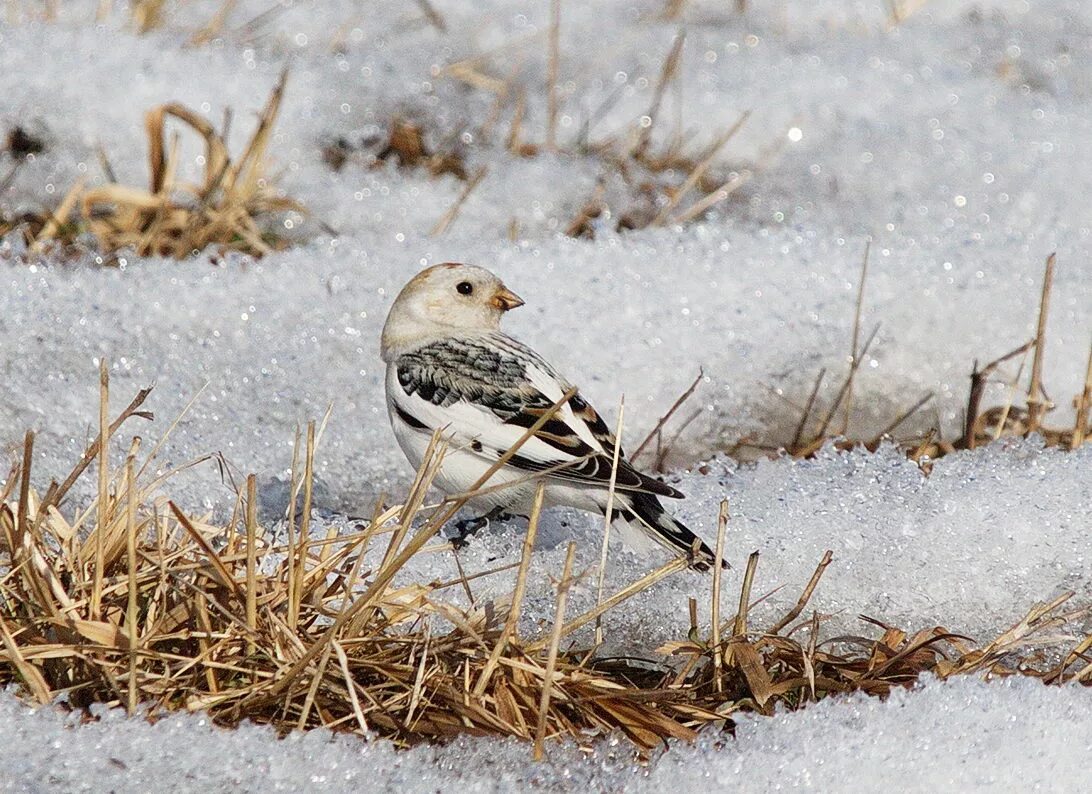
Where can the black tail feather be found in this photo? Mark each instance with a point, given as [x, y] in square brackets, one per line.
[646, 511]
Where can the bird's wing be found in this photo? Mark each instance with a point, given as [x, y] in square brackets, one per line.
[487, 391]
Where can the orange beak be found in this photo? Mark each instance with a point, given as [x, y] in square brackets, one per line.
[506, 300]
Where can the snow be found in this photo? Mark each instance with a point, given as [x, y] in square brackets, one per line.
[964, 735]
[954, 141]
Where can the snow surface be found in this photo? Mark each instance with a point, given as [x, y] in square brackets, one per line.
[963, 735]
[956, 141]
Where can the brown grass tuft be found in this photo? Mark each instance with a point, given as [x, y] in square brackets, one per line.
[404, 145]
[171, 218]
[227, 210]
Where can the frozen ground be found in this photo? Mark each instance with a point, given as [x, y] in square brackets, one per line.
[956, 141]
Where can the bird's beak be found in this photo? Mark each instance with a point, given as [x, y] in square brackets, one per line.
[506, 300]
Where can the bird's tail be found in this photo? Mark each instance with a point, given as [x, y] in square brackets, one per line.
[646, 519]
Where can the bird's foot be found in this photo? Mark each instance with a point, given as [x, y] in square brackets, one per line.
[468, 527]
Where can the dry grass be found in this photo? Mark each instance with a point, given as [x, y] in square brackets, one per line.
[131, 602]
[231, 209]
[672, 183]
[645, 178]
[1023, 413]
[405, 145]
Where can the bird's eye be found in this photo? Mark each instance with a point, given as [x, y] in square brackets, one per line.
[464, 287]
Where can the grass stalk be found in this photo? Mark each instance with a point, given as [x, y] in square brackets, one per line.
[608, 517]
[551, 656]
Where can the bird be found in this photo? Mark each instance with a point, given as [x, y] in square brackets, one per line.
[451, 369]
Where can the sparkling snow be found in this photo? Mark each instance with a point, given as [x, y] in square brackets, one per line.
[963, 735]
[957, 141]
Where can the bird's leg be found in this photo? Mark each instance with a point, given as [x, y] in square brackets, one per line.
[468, 527]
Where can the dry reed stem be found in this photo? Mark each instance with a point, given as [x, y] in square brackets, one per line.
[132, 611]
[1036, 406]
[1084, 406]
[668, 72]
[449, 217]
[854, 352]
[104, 477]
[805, 597]
[59, 216]
[893, 425]
[847, 384]
[663, 420]
[979, 381]
[432, 15]
[433, 526]
[698, 172]
[251, 560]
[608, 516]
[305, 520]
[667, 569]
[215, 26]
[512, 622]
[806, 413]
[553, 55]
[699, 208]
[739, 628]
[551, 655]
[718, 559]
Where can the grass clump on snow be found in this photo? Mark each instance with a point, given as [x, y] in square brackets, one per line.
[132, 602]
[227, 210]
[642, 181]
[1022, 415]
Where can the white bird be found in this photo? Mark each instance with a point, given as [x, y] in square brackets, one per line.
[449, 367]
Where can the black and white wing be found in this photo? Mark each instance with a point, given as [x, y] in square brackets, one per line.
[485, 392]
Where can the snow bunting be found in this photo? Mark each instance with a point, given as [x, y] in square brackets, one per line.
[450, 367]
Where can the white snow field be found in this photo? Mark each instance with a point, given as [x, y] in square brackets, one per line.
[956, 141]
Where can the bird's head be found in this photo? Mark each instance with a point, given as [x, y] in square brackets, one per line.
[445, 299]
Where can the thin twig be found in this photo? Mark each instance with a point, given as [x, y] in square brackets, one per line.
[251, 559]
[718, 558]
[104, 478]
[1036, 404]
[806, 413]
[854, 353]
[552, 65]
[512, 623]
[551, 657]
[1084, 405]
[449, 217]
[608, 517]
[801, 602]
[682, 398]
